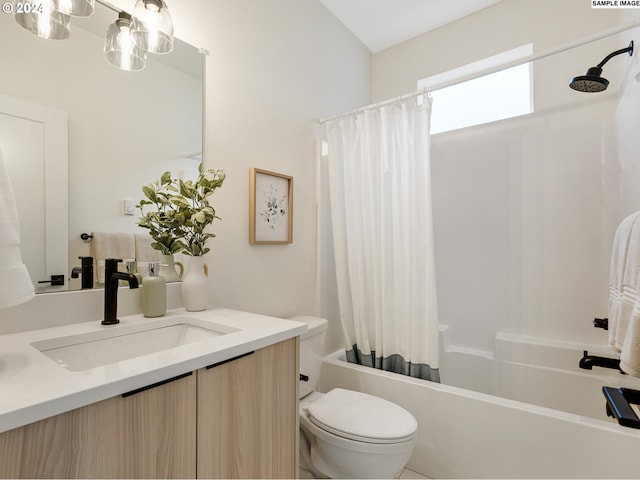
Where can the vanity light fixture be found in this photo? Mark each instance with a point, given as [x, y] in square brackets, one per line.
[119, 48]
[75, 8]
[42, 19]
[152, 29]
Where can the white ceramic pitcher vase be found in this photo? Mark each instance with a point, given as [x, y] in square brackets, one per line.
[195, 285]
[168, 268]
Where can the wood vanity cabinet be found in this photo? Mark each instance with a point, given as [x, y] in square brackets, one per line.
[248, 415]
[150, 434]
[237, 419]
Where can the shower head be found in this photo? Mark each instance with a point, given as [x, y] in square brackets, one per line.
[592, 81]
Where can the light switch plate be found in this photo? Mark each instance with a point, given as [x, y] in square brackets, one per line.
[129, 207]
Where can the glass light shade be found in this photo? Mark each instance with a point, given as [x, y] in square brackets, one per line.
[151, 28]
[75, 8]
[120, 49]
[44, 21]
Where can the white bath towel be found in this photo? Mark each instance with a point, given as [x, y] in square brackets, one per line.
[15, 283]
[144, 252]
[624, 295]
[630, 354]
[623, 281]
[111, 245]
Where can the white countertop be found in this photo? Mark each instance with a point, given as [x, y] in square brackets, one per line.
[34, 387]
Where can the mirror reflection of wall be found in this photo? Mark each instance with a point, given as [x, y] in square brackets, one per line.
[125, 128]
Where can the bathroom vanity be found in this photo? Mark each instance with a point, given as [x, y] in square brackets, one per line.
[208, 405]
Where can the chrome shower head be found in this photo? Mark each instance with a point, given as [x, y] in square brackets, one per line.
[592, 81]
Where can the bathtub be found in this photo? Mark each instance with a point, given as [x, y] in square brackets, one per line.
[524, 410]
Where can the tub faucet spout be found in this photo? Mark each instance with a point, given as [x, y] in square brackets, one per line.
[111, 279]
[589, 361]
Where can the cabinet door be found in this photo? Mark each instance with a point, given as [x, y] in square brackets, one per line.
[150, 434]
[248, 415]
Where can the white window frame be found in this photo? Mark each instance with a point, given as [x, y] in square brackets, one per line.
[439, 125]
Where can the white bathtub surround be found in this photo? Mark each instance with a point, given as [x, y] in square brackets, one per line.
[15, 283]
[538, 371]
[465, 434]
[380, 202]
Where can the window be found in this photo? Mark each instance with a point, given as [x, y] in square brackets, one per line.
[504, 94]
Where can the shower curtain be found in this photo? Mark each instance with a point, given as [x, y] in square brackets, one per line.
[381, 219]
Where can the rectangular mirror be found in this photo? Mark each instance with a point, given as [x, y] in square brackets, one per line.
[124, 128]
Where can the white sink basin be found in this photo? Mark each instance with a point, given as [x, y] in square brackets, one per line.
[114, 344]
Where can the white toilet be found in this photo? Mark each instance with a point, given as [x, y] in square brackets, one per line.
[343, 433]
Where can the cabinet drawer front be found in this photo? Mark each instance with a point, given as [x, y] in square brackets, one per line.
[148, 435]
[248, 415]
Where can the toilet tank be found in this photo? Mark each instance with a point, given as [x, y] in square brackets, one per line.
[312, 344]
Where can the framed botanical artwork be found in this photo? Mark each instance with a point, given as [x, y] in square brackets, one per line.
[270, 207]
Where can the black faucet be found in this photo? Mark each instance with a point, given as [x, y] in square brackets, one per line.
[86, 271]
[589, 361]
[111, 278]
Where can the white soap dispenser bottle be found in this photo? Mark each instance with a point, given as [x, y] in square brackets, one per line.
[154, 292]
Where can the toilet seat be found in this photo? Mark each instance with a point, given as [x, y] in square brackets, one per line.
[361, 417]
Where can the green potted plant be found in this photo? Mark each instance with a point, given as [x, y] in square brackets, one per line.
[193, 212]
[177, 223]
[158, 216]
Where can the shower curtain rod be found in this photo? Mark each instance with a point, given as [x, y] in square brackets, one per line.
[488, 71]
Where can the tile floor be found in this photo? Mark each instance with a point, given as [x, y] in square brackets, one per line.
[405, 475]
[409, 474]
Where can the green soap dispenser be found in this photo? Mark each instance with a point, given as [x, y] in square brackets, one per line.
[154, 292]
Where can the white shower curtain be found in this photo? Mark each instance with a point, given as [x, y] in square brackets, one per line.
[381, 218]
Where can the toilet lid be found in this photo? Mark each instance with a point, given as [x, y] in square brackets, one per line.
[362, 417]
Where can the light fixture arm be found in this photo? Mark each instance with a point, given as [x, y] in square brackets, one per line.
[628, 50]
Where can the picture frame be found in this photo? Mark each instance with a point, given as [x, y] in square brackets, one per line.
[270, 207]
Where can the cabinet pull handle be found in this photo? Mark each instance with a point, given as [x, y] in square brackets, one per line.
[154, 385]
[229, 360]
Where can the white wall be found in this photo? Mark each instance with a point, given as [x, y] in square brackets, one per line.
[524, 209]
[274, 68]
[627, 124]
[500, 27]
